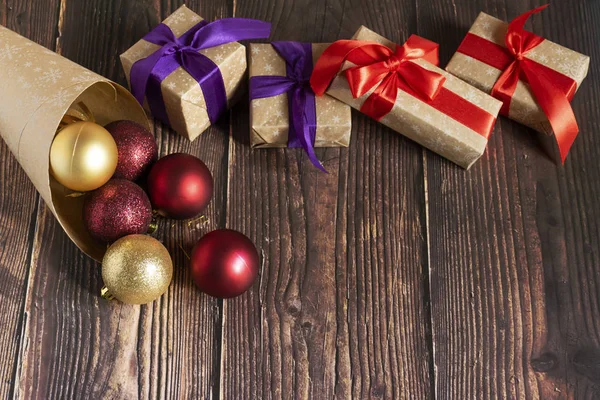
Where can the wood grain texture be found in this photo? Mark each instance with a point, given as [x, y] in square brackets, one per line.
[78, 345]
[396, 275]
[18, 203]
[515, 285]
[342, 252]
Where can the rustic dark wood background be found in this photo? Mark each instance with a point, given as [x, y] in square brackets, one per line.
[396, 275]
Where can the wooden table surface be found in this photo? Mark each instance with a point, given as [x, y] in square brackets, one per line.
[396, 275]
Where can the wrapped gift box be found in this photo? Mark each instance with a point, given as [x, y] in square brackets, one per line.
[183, 98]
[269, 116]
[420, 121]
[523, 108]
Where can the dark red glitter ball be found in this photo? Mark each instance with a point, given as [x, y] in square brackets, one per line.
[117, 209]
[137, 149]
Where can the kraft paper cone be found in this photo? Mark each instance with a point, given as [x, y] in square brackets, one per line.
[37, 87]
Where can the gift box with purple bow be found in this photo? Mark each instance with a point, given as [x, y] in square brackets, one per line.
[186, 71]
[284, 111]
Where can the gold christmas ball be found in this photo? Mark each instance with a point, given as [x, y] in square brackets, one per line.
[83, 156]
[136, 269]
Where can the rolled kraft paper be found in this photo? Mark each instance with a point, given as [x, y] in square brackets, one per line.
[38, 86]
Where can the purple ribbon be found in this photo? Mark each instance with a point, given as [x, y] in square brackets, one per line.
[301, 98]
[148, 73]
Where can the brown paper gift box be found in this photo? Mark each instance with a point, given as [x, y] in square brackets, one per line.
[38, 86]
[523, 107]
[269, 119]
[184, 100]
[419, 121]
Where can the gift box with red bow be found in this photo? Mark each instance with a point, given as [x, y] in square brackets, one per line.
[402, 87]
[284, 111]
[187, 71]
[533, 77]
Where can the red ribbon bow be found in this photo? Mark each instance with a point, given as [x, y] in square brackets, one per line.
[552, 90]
[379, 67]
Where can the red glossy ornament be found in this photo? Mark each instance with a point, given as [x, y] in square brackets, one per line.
[137, 149]
[224, 263]
[180, 186]
[117, 209]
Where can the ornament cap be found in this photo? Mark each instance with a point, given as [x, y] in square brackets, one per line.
[76, 113]
[105, 294]
[153, 227]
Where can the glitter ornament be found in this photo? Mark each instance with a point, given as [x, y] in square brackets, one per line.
[136, 269]
[117, 209]
[224, 263]
[83, 156]
[137, 149]
[180, 186]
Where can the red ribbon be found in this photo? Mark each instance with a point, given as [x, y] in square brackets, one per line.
[552, 90]
[379, 67]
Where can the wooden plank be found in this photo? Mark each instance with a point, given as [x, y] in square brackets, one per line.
[18, 202]
[77, 344]
[515, 285]
[339, 309]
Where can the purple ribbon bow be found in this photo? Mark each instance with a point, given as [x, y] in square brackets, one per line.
[148, 73]
[301, 98]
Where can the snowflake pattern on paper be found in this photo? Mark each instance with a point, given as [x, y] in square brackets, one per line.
[40, 76]
[492, 72]
[9, 52]
[52, 75]
[472, 95]
[179, 17]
